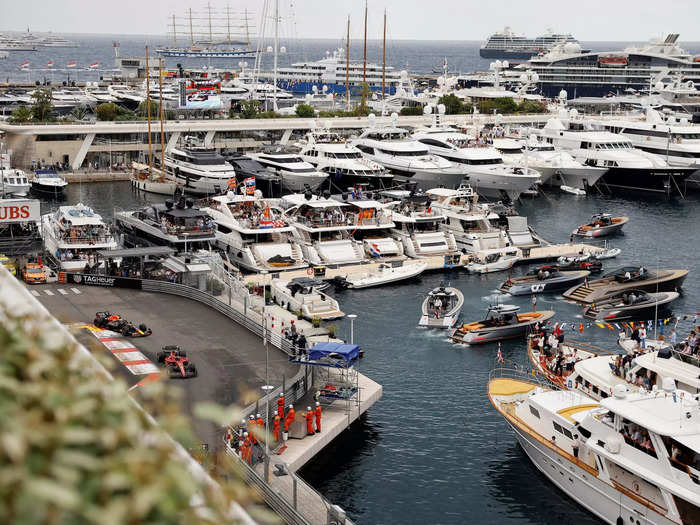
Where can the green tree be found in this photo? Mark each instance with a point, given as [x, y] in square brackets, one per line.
[42, 109]
[22, 114]
[502, 105]
[411, 111]
[365, 92]
[249, 108]
[305, 111]
[141, 111]
[79, 112]
[453, 106]
[531, 106]
[108, 111]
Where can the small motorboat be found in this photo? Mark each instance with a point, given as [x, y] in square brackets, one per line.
[572, 190]
[302, 297]
[601, 224]
[568, 260]
[544, 279]
[625, 279]
[493, 262]
[502, 322]
[631, 304]
[280, 261]
[385, 274]
[441, 307]
[48, 182]
[609, 253]
[592, 266]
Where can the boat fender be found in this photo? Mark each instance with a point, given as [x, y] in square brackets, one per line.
[309, 271]
[569, 384]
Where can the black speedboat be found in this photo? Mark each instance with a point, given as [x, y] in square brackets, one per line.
[631, 304]
[544, 279]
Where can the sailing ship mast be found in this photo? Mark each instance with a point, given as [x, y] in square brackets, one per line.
[148, 114]
[274, 73]
[364, 60]
[162, 134]
[174, 33]
[211, 37]
[191, 32]
[228, 23]
[384, 57]
[347, 67]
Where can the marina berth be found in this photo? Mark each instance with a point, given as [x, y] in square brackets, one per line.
[484, 166]
[418, 224]
[305, 299]
[502, 322]
[179, 225]
[254, 235]
[624, 279]
[629, 455]
[545, 279]
[601, 224]
[323, 230]
[441, 307]
[295, 173]
[200, 170]
[74, 235]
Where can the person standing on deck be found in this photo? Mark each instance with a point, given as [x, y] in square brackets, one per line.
[309, 421]
[280, 406]
[318, 416]
[261, 425]
[290, 417]
[643, 336]
[276, 427]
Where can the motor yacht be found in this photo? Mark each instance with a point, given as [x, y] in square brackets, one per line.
[13, 182]
[373, 229]
[323, 230]
[383, 274]
[406, 158]
[99, 95]
[49, 182]
[631, 457]
[343, 162]
[470, 224]
[484, 166]
[628, 168]
[74, 235]
[199, 169]
[419, 225]
[127, 96]
[502, 321]
[179, 225]
[305, 299]
[296, 174]
[255, 235]
[246, 168]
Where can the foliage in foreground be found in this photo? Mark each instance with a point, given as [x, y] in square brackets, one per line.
[75, 449]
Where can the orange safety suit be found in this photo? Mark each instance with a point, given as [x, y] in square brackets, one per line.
[261, 423]
[276, 428]
[251, 430]
[310, 422]
[288, 420]
[280, 407]
[318, 418]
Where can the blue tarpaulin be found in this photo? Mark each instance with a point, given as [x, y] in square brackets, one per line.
[347, 353]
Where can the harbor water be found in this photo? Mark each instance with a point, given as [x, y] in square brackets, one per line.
[434, 450]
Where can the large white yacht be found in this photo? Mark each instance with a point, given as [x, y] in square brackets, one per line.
[628, 168]
[13, 182]
[631, 458]
[419, 225]
[254, 234]
[406, 158]
[484, 167]
[342, 161]
[296, 174]
[74, 235]
[470, 224]
[323, 230]
[373, 229]
[200, 170]
[179, 225]
[97, 94]
[126, 95]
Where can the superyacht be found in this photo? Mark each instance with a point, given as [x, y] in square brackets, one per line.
[506, 44]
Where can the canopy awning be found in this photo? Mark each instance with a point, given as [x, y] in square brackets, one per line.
[347, 353]
[137, 252]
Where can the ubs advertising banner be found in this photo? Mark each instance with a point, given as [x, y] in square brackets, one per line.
[200, 94]
[19, 210]
[103, 280]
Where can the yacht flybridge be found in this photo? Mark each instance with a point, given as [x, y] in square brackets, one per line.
[483, 165]
[254, 234]
[200, 170]
[323, 230]
[74, 235]
[631, 457]
[296, 174]
[342, 161]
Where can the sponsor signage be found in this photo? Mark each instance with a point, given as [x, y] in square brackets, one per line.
[103, 280]
[200, 94]
[19, 210]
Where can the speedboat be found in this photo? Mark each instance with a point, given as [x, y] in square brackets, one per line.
[74, 235]
[625, 279]
[200, 170]
[502, 321]
[494, 262]
[48, 182]
[630, 455]
[304, 299]
[545, 279]
[13, 182]
[601, 224]
[255, 235]
[441, 307]
[608, 253]
[385, 274]
[296, 174]
[631, 304]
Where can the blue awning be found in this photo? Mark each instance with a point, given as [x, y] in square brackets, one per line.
[347, 353]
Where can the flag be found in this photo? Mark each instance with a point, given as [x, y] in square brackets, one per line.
[72, 63]
[374, 250]
[24, 65]
[617, 326]
[499, 355]
[94, 65]
[580, 327]
[600, 325]
[49, 63]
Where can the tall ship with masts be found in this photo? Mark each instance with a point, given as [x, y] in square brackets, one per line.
[210, 34]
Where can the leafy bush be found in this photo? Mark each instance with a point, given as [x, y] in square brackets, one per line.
[305, 111]
[531, 106]
[315, 322]
[42, 109]
[111, 111]
[411, 111]
[503, 105]
[21, 114]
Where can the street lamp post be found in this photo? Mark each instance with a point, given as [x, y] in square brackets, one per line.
[266, 387]
[352, 318]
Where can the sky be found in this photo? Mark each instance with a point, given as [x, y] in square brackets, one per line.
[590, 20]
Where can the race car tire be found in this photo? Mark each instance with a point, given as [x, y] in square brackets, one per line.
[192, 370]
[182, 353]
[143, 327]
[173, 371]
[160, 357]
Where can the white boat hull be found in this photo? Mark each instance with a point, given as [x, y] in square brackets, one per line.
[160, 188]
[579, 178]
[298, 183]
[504, 263]
[491, 183]
[387, 276]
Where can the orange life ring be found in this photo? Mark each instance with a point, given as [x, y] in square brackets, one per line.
[310, 271]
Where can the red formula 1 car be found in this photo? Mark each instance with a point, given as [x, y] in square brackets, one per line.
[176, 362]
[117, 323]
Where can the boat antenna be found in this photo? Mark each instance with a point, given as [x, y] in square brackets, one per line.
[347, 67]
[384, 57]
[174, 33]
[364, 60]
[162, 134]
[148, 114]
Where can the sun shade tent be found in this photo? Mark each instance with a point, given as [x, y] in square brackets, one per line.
[337, 352]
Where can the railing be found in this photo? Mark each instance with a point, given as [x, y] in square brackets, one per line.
[686, 358]
[521, 374]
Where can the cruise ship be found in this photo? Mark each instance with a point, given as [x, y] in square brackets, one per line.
[329, 72]
[584, 74]
[506, 44]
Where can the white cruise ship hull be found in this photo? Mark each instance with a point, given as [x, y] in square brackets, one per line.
[597, 496]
